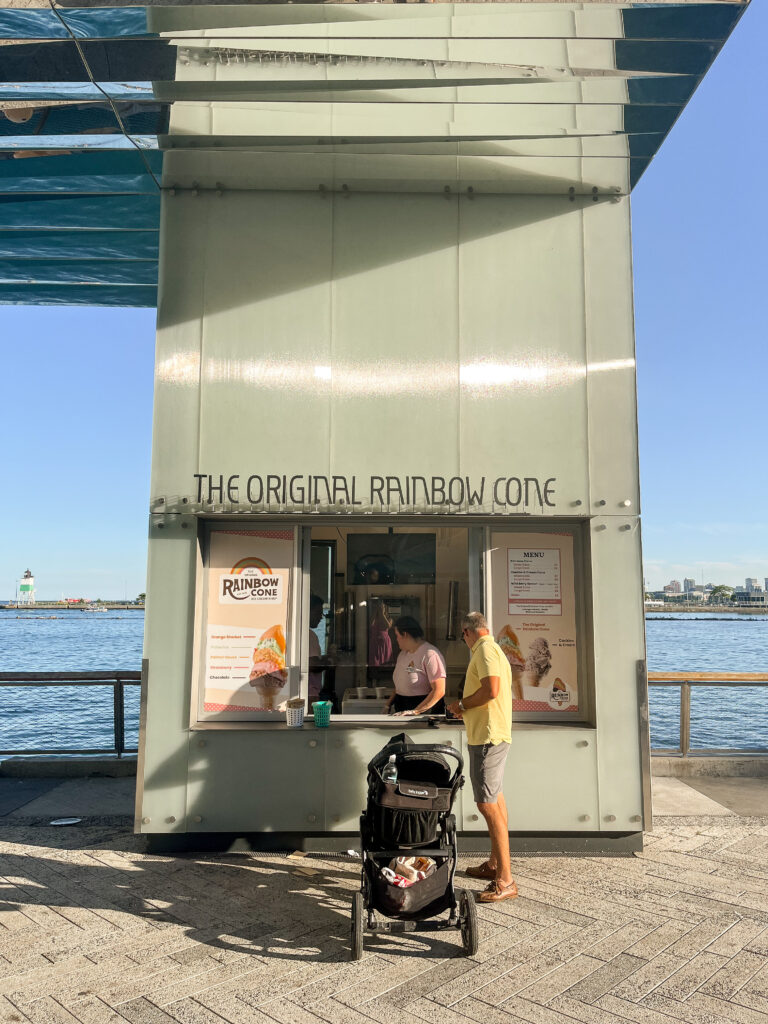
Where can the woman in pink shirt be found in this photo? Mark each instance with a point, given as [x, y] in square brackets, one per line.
[419, 674]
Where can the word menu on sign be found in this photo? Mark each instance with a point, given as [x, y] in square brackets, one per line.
[535, 581]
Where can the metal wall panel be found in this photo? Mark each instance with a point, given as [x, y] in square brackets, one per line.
[265, 405]
[168, 648]
[619, 643]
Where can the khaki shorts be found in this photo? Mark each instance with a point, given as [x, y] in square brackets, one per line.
[486, 770]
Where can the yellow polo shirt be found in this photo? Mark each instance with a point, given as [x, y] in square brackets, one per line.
[493, 722]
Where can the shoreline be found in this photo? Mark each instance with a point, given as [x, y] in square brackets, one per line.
[46, 606]
[716, 610]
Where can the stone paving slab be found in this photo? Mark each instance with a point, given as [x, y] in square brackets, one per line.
[95, 931]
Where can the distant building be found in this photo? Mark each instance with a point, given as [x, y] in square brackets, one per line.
[766, 584]
[688, 585]
[750, 584]
[673, 587]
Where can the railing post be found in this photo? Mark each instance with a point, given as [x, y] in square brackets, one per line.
[685, 718]
[119, 716]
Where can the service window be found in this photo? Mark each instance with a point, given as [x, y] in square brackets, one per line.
[248, 645]
[360, 581]
[535, 603]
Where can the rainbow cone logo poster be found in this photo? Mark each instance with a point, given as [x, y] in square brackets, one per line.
[245, 668]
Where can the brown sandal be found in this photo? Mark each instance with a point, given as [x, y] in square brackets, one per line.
[483, 870]
[495, 893]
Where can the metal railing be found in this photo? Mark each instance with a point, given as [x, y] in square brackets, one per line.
[117, 680]
[686, 681]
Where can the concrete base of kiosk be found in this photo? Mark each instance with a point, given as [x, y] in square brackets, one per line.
[611, 844]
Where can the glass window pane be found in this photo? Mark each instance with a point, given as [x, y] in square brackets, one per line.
[381, 575]
[729, 718]
[78, 718]
[664, 711]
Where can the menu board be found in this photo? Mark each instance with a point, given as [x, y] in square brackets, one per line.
[534, 618]
[534, 581]
[246, 623]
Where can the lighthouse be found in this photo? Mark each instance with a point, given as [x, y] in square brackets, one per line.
[25, 589]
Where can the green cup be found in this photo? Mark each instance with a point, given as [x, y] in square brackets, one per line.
[322, 712]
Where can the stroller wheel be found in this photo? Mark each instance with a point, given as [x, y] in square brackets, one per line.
[468, 919]
[358, 916]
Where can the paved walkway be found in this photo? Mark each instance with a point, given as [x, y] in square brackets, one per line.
[94, 930]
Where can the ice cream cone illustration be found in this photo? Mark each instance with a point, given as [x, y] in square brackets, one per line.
[269, 674]
[539, 660]
[509, 643]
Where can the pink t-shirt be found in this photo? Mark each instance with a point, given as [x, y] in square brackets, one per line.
[414, 672]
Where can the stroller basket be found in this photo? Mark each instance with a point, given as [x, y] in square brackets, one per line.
[424, 899]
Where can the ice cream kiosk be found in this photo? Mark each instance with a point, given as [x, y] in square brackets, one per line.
[395, 374]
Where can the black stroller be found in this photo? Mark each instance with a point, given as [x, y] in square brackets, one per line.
[412, 817]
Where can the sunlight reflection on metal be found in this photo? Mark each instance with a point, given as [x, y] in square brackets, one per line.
[543, 370]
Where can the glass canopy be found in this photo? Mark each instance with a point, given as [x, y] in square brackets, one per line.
[103, 107]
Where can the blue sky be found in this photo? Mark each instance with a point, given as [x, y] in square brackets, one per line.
[699, 228]
[76, 388]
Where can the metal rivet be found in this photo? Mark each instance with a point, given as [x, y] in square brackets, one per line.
[313, 743]
[601, 526]
[185, 526]
[185, 501]
[159, 525]
[610, 817]
[197, 819]
[473, 817]
[625, 504]
[576, 503]
[584, 817]
[201, 743]
[311, 818]
[583, 743]
[145, 821]
[635, 817]
[170, 820]
[600, 501]
[626, 526]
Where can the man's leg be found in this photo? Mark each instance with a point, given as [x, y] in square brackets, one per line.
[496, 818]
[502, 805]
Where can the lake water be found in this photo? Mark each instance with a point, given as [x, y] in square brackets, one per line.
[71, 717]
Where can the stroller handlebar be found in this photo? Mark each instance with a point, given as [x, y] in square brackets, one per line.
[410, 748]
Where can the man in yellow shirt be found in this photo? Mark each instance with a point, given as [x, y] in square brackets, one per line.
[486, 708]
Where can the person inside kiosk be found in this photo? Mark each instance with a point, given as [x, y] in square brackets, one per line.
[391, 615]
[419, 675]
